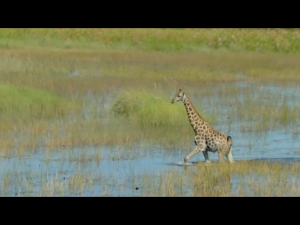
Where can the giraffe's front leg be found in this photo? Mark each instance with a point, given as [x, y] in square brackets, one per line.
[205, 153]
[199, 148]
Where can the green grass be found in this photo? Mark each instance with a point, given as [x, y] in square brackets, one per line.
[258, 40]
[151, 109]
[26, 110]
[29, 103]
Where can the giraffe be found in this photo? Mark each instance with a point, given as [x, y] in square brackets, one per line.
[206, 138]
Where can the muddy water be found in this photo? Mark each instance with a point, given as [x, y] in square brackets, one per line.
[80, 172]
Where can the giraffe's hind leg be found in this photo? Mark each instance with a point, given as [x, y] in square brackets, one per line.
[229, 156]
[221, 157]
[200, 147]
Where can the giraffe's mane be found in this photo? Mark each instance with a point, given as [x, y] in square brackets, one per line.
[195, 108]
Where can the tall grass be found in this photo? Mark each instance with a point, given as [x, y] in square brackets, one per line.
[244, 179]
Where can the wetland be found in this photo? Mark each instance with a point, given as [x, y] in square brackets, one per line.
[85, 113]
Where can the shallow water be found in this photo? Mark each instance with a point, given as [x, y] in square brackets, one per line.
[107, 171]
[119, 168]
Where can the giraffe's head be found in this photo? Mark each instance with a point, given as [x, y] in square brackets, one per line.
[178, 96]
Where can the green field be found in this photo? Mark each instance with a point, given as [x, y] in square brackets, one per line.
[145, 39]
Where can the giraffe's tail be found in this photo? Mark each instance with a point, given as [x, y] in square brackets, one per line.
[229, 141]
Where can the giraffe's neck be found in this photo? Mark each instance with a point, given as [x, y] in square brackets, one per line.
[194, 116]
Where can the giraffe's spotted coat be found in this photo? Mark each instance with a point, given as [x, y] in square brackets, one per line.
[206, 138]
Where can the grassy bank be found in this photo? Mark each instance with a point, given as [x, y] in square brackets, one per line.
[29, 103]
[145, 39]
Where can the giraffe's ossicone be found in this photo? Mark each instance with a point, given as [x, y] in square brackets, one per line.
[206, 138]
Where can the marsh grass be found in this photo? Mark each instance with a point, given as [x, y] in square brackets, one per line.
[66, 88]
[243, 179]
[225, 89]
[78, 183]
